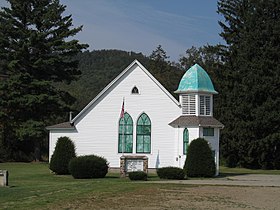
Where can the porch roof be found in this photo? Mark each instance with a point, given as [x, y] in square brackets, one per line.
[192, 120]
[64, 125]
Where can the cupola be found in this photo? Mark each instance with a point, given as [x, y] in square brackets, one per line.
[196, 92]
[196, 79]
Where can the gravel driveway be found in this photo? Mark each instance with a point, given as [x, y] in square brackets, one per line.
[260, 180]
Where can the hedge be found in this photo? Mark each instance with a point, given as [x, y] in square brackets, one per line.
[170, 173]
[89, 166]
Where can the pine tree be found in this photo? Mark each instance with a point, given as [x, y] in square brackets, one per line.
[251, 92]
[161, 68]
[159, 54]
[35, 52]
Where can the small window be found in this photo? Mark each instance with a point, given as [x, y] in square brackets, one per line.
[208, 131]
[135, 90]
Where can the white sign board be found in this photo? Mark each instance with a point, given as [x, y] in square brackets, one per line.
[134, 165]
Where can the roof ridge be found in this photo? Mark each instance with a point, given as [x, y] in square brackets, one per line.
[119, 77]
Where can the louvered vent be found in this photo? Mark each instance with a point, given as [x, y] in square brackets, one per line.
[207, 103]
[204, 105]
[188, 104]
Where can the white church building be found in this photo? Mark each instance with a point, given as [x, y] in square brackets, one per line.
[154, 123]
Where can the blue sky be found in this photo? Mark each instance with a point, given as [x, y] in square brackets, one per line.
[142, 25]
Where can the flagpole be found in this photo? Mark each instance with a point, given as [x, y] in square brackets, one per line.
[123, 138]
[123, 128]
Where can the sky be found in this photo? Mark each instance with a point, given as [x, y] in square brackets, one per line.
[142, 25]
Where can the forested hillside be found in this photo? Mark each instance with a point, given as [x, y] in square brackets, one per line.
[99, 68]
[46, 73]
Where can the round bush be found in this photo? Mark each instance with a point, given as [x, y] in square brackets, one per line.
[64, 151]
[199, 161]
[170, 173]
[88, 166]
[137, 175]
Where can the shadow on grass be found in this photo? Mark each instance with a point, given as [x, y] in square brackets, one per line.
[224, 175]
[112, 176]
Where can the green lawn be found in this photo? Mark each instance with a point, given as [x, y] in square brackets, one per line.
[32, 186]
[225, 171]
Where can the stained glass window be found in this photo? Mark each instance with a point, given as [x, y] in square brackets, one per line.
[185, 141]
[143, 136]
[125, 134]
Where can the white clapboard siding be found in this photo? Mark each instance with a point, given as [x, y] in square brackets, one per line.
[194, 133]
[97, 125]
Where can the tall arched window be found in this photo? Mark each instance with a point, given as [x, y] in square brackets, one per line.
[185, 141]
[125, 134]
[143, 136]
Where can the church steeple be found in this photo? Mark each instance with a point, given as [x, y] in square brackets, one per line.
[196, 92]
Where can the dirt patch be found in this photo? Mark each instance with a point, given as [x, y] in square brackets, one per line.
[157, 197]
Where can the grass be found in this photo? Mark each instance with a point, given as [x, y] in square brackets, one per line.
[225, 171]
[33, 186]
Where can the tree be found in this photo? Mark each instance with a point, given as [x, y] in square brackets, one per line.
[250, 102]
[199, 161]
[208, 57]
[162, 69]
[159, 54]
[35, 52]
[158, 63]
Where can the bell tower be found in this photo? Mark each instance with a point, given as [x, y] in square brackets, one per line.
[196, 92]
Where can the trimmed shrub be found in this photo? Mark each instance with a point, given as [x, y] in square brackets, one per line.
[137, 175]
[88, 166]
[64, 151]
[170, 173]
[199, 161]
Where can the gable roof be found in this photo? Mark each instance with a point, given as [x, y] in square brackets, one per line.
[191, 120]
[121, 75]
[64, 125]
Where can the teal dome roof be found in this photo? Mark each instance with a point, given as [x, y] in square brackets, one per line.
[196, 79]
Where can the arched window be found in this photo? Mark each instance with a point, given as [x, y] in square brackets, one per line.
[135, 90]
[125, 134]
[143, 136]
[185, 141]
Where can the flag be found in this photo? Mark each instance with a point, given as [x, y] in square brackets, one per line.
[122, 111]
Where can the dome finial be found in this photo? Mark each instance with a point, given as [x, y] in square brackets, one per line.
[196, 79]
